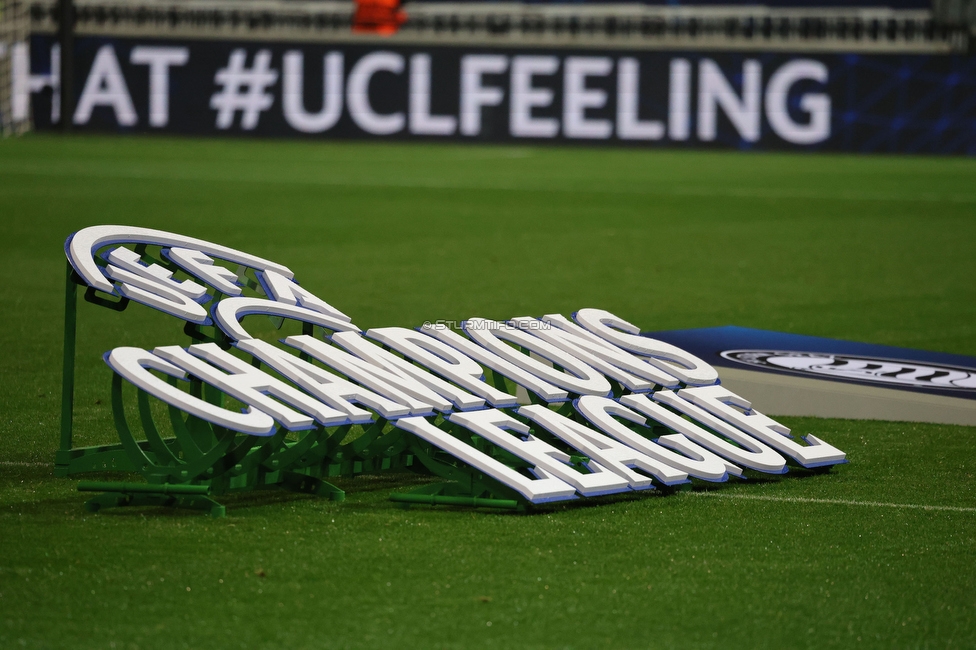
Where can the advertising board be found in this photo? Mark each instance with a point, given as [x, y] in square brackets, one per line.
[721, 99]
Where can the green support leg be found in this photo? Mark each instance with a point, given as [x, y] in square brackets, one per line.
[188, 502]
[62, 463]
[311, 485]
[464, 487]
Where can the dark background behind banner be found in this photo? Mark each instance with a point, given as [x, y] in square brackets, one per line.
[879, 103]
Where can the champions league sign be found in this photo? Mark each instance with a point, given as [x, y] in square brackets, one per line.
[508, 414]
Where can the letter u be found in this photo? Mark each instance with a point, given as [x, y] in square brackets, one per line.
[293, 96]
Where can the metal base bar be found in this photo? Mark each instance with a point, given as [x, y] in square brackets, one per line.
[142, 488]
[122, 499]
[191, 496]
[454, 494]
[440, 500]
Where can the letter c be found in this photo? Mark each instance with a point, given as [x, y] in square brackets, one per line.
[357, 93]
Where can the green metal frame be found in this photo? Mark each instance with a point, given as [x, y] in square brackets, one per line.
[463, 486]
[200, 460]
[116, 495]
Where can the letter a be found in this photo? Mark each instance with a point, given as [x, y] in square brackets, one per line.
[106, 87]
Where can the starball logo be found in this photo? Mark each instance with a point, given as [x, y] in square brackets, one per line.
[859, 368]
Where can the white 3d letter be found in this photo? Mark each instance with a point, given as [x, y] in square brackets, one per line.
[540, 490]
[254, 387]
[722, 402]
[616, 457]
[673, 360]
[694, 459]
[442, 359]
[288, 291]
[549, 461]
[133, 365]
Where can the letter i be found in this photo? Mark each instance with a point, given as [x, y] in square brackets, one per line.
[679, 100]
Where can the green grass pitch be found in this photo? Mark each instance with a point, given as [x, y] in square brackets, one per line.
[878, 249]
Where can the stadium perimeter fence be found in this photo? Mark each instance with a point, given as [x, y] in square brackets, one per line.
[14, 95]
[624, 24]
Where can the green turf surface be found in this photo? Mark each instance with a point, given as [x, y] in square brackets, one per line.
[873, 249]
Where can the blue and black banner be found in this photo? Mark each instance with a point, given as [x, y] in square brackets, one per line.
[866, 364]
[745, 100]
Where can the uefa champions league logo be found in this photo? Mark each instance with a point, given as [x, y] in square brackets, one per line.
[509, 414]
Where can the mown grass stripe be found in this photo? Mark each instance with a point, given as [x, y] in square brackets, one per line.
[260, 175]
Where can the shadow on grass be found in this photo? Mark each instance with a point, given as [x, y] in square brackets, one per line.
[364, 492]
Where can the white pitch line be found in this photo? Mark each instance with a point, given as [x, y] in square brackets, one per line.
[14, 463]
[836, 502]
